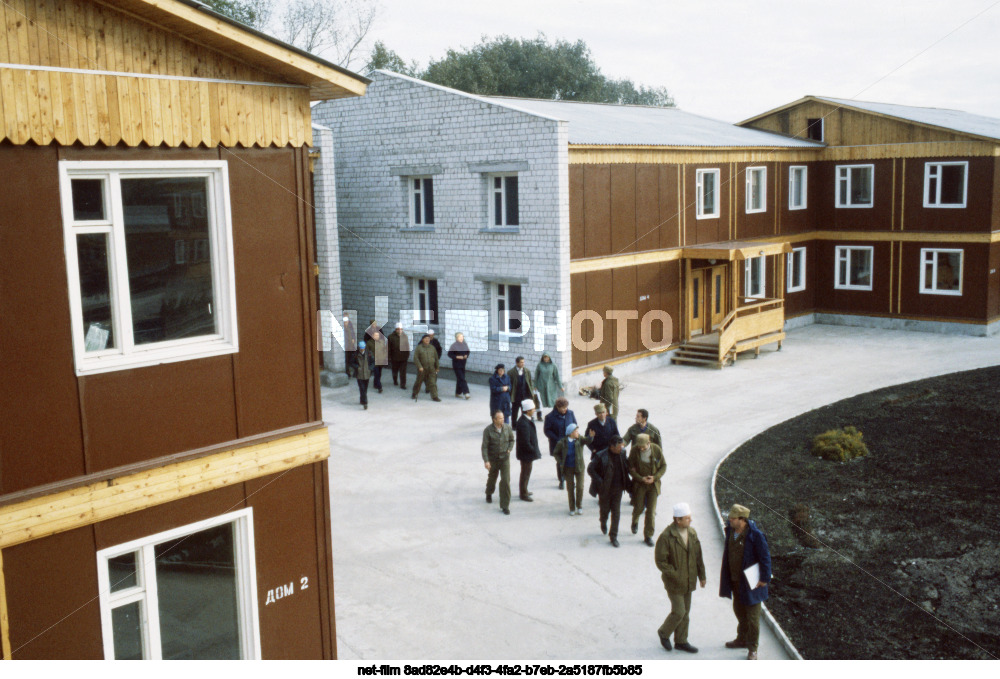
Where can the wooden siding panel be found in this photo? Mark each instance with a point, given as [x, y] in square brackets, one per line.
[597, 210]
[600, 299]
[972, 304]
[624, 298]
[647, 211]
[578, 302]
[670, 219]
[623, 234]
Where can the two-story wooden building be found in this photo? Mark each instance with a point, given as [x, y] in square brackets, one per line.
[163, 477]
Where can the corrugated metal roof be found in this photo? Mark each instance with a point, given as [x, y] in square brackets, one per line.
[619, 125]
[960, 121]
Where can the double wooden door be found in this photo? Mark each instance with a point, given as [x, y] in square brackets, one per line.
[706, 299]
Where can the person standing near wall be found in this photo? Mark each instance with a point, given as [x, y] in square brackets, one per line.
[426, 361]
[608, 392]
[745, 547]
[547, 381]
[350, 343]
[500, 392]
[399, 354]
[555, 428]
[498, 442]
[521, 385]
[527, 447]
[362, 363]
[678, 556]
[647, 467]
[459, 355]
[569, 457]
[379, 349]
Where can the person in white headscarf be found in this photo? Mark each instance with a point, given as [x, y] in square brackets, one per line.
[678, 556]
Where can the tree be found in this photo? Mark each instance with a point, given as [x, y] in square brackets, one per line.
[382, 57]
[510, 67]
[336, 29]
[253, 13]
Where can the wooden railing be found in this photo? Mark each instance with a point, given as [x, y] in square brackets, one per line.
[756, 317]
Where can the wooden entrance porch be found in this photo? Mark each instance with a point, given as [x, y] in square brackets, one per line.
[718, 322]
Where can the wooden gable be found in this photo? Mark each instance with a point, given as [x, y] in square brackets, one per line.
[84, 71]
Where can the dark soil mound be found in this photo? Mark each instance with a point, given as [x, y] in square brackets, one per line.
[893, 555]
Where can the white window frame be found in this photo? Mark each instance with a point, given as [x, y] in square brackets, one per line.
[145, 590]
[752, 172]
[699, 183]
[419, 220]
[843, 252]
[495, 298]
[748, 264]
[844, 175]
[125, 353]
[424, 309]
[935, 201]
[492, 191]
[929, 256]
[802, 170]
[799, 253]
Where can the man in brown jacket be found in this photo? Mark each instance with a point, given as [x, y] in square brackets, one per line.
[647, 467]
[678, 556]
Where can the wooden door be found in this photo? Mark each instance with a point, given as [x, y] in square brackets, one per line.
[699, 320]
[716, 295]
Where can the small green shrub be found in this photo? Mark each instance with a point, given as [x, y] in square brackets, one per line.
[840, 445]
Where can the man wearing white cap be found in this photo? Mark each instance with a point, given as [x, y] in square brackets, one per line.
[678, 556]
[527, 446]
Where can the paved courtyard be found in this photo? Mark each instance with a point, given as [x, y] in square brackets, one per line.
[425, 569]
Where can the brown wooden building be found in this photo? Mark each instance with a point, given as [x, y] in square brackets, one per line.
[163, 475]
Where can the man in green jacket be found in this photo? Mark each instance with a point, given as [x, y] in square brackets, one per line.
[569, 456]
[498, 442]
[646, 466]
[642, 426]
[608, 392]
[678, 556]
[425, 358]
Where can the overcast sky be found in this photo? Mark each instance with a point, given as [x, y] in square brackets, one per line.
[732, 59]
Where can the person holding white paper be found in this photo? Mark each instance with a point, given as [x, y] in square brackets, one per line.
[746, 570]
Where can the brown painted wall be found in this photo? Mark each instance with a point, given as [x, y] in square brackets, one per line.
[972, 304]
[974, 217]
[993, 283]
[71, 425]
[829, 299]
[756, 224]
[797, 221]
[803, 301]
[52, 582]
[829, 217]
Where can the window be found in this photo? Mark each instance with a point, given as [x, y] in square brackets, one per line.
[503, 200]
[940, 272]
[507, 308]
[188, 593]
[796, 275]
[855, 185]
[854, 268]
[425, 300]
[707, 193]
[421, 201]
[149, 258]
[753, 283]
[945, 184]
[756, 189]
[797, 187]
[814, 129]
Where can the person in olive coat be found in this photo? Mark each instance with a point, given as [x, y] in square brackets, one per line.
[547, 381]
[642, 426]
[608, 392]
[500, 392]
[399, 354]
[362, 364]
[609, 473]
[498, 442]
[569, 456]
[746, 546]
[678, 556]
[527, 447]
[647, 467]
[425, 358]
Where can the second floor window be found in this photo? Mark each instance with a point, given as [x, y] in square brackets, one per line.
[421, 201]
[855, 185]
[756, 189]
[945, 184]
[503, 200]
[797, 187]
[707, 194]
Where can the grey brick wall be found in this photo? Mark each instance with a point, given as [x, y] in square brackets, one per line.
[405, 126]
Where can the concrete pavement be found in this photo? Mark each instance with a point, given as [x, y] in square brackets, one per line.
[425, 569]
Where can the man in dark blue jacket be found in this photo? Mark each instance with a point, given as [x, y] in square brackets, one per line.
[601, 429]
[555, 429]
[745, 547]
[609, 481]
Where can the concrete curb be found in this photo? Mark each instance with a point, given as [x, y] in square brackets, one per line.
[772, 623]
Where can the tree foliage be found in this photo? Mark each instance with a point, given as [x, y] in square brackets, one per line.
[253, 13]
[536, 68]
[383, 58]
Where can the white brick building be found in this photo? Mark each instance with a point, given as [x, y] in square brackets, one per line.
[454, 206]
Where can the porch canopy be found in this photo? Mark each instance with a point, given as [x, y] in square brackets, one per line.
[734, 250]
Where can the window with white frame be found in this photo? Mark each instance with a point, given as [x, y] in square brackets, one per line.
[506, 303]
[753, 283]
[149, 260]
[796, 275]
[756, 189]
[188, 593]
[425, 300]
[945, 184]
[706, 193]
[421, 201]
[854, 267]
[503, 200]
[940, 272]
[797, 175]
[855, 185]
